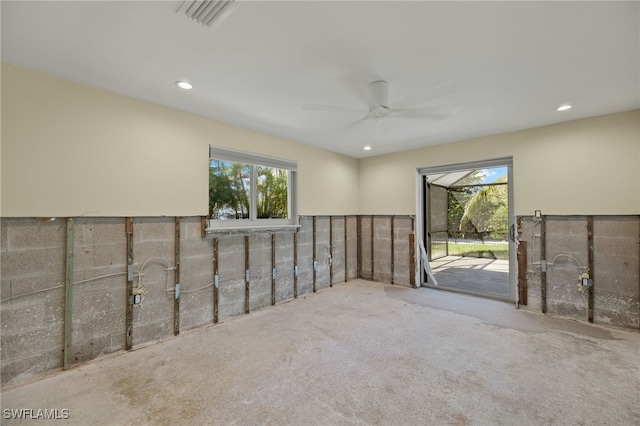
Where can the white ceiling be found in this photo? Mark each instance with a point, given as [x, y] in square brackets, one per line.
[513, 62]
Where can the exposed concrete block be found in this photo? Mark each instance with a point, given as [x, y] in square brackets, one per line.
[32, 276]
[323, 252]
[98, 318]
[366, 224]
[27, 284]
[4, 236]
[99, 305]
[32, 261]
[231, 268]
[567, 249]
[352, 247]
[382, 249]
[260, 271]
[32, 232]
[305, 256]
[32, 335]
[154, 258]
[338, 259]
[284, 267]
[616, 264]
[617, 270]
[196, 272]
[401, 270]
[529, 230]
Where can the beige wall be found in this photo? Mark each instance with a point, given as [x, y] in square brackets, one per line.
[71, 150]
[589, 166]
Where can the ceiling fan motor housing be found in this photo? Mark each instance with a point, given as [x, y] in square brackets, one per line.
[379, 94]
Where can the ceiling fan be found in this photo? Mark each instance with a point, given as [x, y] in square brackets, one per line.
[379, 106]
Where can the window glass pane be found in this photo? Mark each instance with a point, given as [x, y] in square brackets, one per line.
[229, 190]
[272, 193]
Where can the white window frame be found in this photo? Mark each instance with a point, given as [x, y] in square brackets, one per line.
[253, 223]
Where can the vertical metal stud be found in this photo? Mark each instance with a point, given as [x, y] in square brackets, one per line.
[176, 280]
[129, 314]
[412, 260]
[392, 248]
[412, 254]
[543, 259]
[521, 259]
[330, 251]
[372, 249]
[246, 275]
[215, 281]
[314, 254]
[590, 290]
[203, 227]
[346, 252]
[295, 265]
[68, 296]
[359, 245]
[273, 269]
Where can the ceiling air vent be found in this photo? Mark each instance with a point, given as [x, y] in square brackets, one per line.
[209, 13]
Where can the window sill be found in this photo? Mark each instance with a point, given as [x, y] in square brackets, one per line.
[235, 230]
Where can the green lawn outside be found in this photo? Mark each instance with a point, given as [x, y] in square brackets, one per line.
[491, 251]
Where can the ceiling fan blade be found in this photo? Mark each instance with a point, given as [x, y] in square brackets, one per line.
[437, 113]
[353, 125]
[382, 127]
[441, 90]
[331, 108]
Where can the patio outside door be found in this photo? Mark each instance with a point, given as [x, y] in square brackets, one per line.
[468, 228]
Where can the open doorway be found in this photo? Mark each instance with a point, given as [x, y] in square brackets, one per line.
[467, 228]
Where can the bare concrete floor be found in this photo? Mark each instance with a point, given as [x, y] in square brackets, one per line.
[360, 353]
[489, 276]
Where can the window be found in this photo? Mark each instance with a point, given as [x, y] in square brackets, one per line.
[248, 190]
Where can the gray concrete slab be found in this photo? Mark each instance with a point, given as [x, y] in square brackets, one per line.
[359, 353]
[488, 276]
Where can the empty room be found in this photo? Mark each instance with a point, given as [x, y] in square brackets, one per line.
[320, 212]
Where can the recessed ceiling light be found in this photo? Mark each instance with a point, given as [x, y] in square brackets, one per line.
[563, 107]
[184, 85]
[367, 148]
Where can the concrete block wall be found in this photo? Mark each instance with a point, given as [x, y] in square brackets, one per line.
[32, 314]
[566, 236]
[99, 305]
[231, 269]
[381, 260]
[402, 271]
[284, 266]
[305, 256]
[615, 269]
[154, 259]
[366, 247]
[378, 261]
[323, 252]
[196, 275]
[260, 271]
[33, 253]
[351, 269]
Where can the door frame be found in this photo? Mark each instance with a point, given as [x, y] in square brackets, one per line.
[421, 217]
